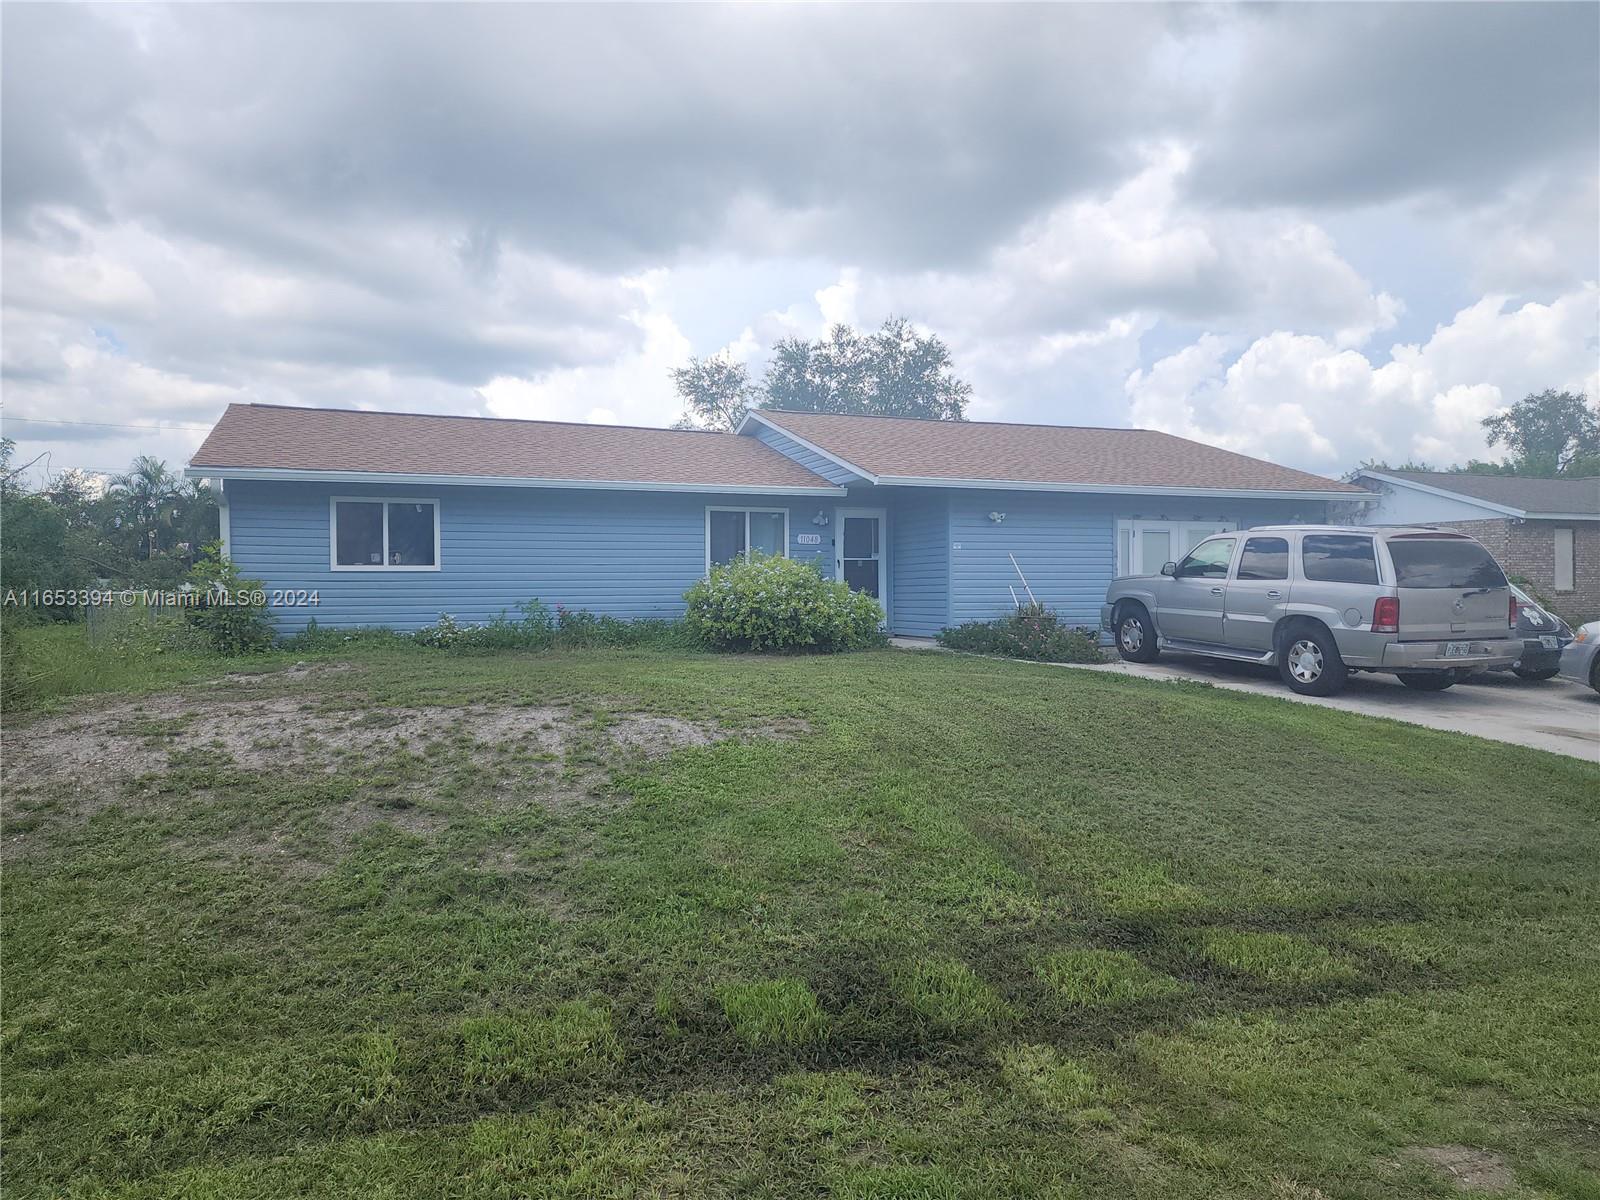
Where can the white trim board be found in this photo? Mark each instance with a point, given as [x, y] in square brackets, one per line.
[224, 518]
[1116, 489]
[580, 485]
[729, 489]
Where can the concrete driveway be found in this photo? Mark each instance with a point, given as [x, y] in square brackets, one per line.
[1555, 715]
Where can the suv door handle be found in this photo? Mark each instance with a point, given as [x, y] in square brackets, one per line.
[1274, 594]
[1216, 591]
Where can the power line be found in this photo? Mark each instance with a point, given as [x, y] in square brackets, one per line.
[101, 424]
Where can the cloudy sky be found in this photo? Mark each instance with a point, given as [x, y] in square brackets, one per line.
[1317, 233]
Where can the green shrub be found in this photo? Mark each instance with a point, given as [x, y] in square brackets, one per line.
[769, 603]
[233, 611]
[1032, 631]
[580, 629]
[16, 681]
[316, 637]
[540, 628]
[444, 634]
[140, 632]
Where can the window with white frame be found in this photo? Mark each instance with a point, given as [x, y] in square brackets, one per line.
[1566, 565]
[731, 532]
[367, 534]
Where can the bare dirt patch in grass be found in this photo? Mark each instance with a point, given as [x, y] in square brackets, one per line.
[128, 752]
[276, 850]
[299, 673]
[1471, 1169]
[289, 732]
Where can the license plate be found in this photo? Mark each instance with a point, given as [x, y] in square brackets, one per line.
[1550, 643]
[1457, 649]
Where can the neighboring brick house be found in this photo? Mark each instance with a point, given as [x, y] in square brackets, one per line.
[1546, 531]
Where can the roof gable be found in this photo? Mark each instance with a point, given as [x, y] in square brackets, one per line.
[896, 450]
[1526, 495]
[270, 440]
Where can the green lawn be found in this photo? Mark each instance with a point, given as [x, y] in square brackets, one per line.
[426, 925]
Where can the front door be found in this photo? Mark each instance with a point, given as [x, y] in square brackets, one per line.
[859, 551]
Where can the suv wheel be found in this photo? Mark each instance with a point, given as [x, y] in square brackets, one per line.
[1309, 662]
[1429, 681]
[1136, 637]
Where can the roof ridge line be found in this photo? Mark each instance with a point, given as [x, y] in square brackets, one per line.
[394, 412]
[809, 412]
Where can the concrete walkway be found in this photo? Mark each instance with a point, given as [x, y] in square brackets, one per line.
[1555, 715]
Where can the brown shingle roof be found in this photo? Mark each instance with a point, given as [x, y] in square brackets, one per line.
[270, 437]
[1578, 496]
[1063, 455]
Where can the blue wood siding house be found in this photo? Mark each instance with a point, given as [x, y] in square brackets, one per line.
[359, 518]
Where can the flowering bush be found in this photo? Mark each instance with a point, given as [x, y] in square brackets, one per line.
[1032, 631]
[444, 634]
[780, 604]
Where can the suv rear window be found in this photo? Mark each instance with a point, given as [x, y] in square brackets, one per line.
[1443, 563]
[1338, 558]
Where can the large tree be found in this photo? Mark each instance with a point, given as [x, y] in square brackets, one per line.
[894, 372]
[145, 530]
[716, 392]
[149, 496]
[1550, 433]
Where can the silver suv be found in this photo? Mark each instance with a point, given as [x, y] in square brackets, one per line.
[1319, 601]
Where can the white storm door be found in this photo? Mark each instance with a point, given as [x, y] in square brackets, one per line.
[859, 551]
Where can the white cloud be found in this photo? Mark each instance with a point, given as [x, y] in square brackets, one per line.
[318, 205]
[1140, 250]
[1306, 401]
[635, 389]
[837, 302]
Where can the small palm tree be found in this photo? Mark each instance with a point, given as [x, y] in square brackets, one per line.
[149, 496]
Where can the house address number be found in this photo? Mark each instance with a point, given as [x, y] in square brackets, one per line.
[808, 539]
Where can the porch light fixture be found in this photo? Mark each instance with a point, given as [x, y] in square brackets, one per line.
[997, 517]
[820, 519]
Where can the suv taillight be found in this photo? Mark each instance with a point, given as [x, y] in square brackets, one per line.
[1512, 613]
[1386, 615]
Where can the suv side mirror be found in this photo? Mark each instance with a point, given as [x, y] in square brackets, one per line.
[1170, 568]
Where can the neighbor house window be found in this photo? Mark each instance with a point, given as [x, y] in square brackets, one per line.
[384, 535]
[731, 532]
[1566, 564]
